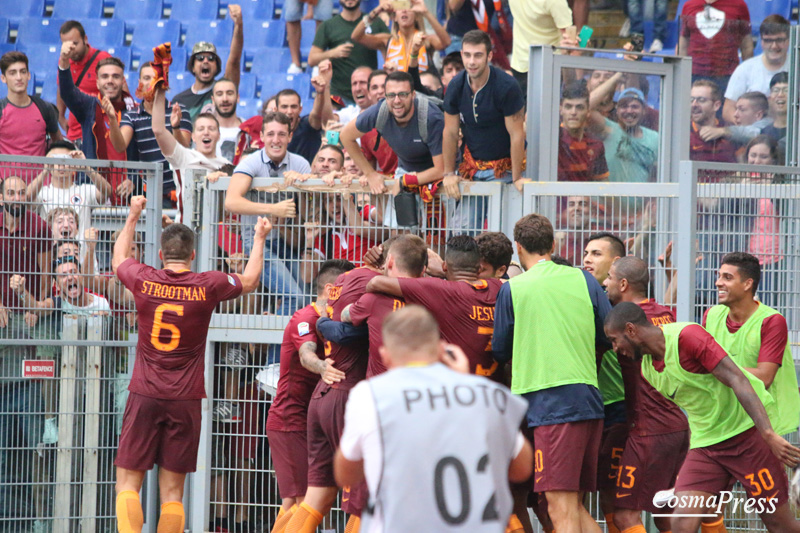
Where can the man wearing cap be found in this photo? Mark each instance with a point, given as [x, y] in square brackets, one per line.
[631, 149]
[205, 64]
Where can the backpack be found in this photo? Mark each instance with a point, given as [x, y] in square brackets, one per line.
[422, 103]
[46, 109]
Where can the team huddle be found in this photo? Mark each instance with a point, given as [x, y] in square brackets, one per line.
[392, 387]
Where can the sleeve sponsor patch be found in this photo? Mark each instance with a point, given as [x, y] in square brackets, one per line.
[303, 328]
[231, 281]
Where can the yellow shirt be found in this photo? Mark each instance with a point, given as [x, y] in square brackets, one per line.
[536, 22]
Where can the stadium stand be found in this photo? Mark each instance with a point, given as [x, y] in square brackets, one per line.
[105, 33]
[78, 9]
[257, 10]
[139, 9]
[194, 10]
[36, 30]
[264, 33]
[214, 31]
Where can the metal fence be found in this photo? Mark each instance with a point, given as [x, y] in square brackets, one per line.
[67, 338]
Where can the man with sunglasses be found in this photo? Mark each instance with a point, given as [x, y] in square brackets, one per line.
[756, 73]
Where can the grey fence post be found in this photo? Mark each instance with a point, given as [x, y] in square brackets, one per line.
[685, 249]
[95, 332]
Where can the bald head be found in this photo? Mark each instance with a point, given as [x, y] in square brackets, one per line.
[628, 280]
[410, 335]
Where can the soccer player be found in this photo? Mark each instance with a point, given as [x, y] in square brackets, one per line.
[496, 253]
[286, 424]
[548, 323]
[756, 336]
[344, 366]
[658, 434]
[462, 304]
[415, 430]
[161, 424]
[731, 435]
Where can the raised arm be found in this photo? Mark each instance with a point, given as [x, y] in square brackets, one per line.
[166, 141]
[233, 67]
[322, 111]
[440, 38]
[374, 42]
[252, 270]
[17, 284]
[76, 101]
[122, 248]
[350, 133]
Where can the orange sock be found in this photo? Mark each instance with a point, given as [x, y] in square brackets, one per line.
[610, 523]
[130, 517]
[282, 519]
[305, 520]
[714, 527]
[353, 524]
[635, 529]
[172, 518]
[514, 525]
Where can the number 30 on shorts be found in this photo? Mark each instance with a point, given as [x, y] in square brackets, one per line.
[160, 328]
[764, 481]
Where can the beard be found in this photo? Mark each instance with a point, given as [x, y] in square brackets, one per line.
[15, 210]
[356, 6]
[226, 114]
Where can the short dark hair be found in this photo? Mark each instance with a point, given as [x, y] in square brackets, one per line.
[625, 313]
[63, 144]
[287, 92]
[9, 58]
[432, 74]
[495, 248]
[454, 59]
[330, 270]
[716, 93]
[774, 24]
[145, 65]
[334, 147]
[62, 242]
[70, 25]
[575, 90]
[276, 116]
[177, 242]
[617, 246]
[374, 73]
[410, 253]
[758, 99]
[477, 37]
[563, 261]
[214, 86]
[635, 271]
[462, 253]
[109, 61]
[401, 76]
[747, 265]
[205, 115]
[534, 233]
[780, 77]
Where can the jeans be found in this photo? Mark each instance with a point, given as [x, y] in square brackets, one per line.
[470, 212]
[276, 276]
[636, 14]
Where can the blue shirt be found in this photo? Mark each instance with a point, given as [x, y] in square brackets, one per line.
[483, 113]
[556, 405]
[414, 154]
[305, 140]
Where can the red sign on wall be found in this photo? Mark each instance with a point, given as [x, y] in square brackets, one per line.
[36, 368]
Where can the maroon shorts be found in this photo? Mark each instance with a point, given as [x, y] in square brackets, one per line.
[162, 432]
[325, 425]
[565, 456]
[649, 464]
[611, 447]
[746, 458]
[354, 499]
[290, 460]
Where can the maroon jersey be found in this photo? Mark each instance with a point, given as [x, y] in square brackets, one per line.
[352, 358]
[371, 309]
[699, 352]
[465, 312]
[649, 412]
[290, 407]
[174, 310]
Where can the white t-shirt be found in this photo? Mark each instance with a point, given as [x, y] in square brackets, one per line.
[81, 198]
[361, 439]
[98, 305]
[752, 75]
[183, 159]
[346, 114]
[226, 147]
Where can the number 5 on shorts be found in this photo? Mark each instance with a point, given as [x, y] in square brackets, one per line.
[159, 326]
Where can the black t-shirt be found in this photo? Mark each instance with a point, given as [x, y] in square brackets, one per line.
[305, 140]
[463, 20]
[483, 114]
[775, 133]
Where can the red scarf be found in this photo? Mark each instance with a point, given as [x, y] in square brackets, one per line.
[501, 45]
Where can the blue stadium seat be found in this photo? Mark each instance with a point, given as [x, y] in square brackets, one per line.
[178, 82]
[39, 31]
[265, 33]
[150, 33]
[105, 33]
[42, 58]
[123, 53]
[309, 30]
[223, 52]
[761, 9]
[299, 82]
[7, 47]
[268, 61]
[257, 9]
[77, 9]
[139, 9]
[218, 32]
[3, 30]
[248, 108]
[47, 87]
[184, 10]
[23, 9]
[3, 90]
[248, 86]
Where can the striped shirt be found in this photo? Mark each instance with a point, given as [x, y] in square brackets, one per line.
[141, 122]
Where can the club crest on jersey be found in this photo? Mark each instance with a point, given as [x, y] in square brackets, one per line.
[303, 328]
[76, 199]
